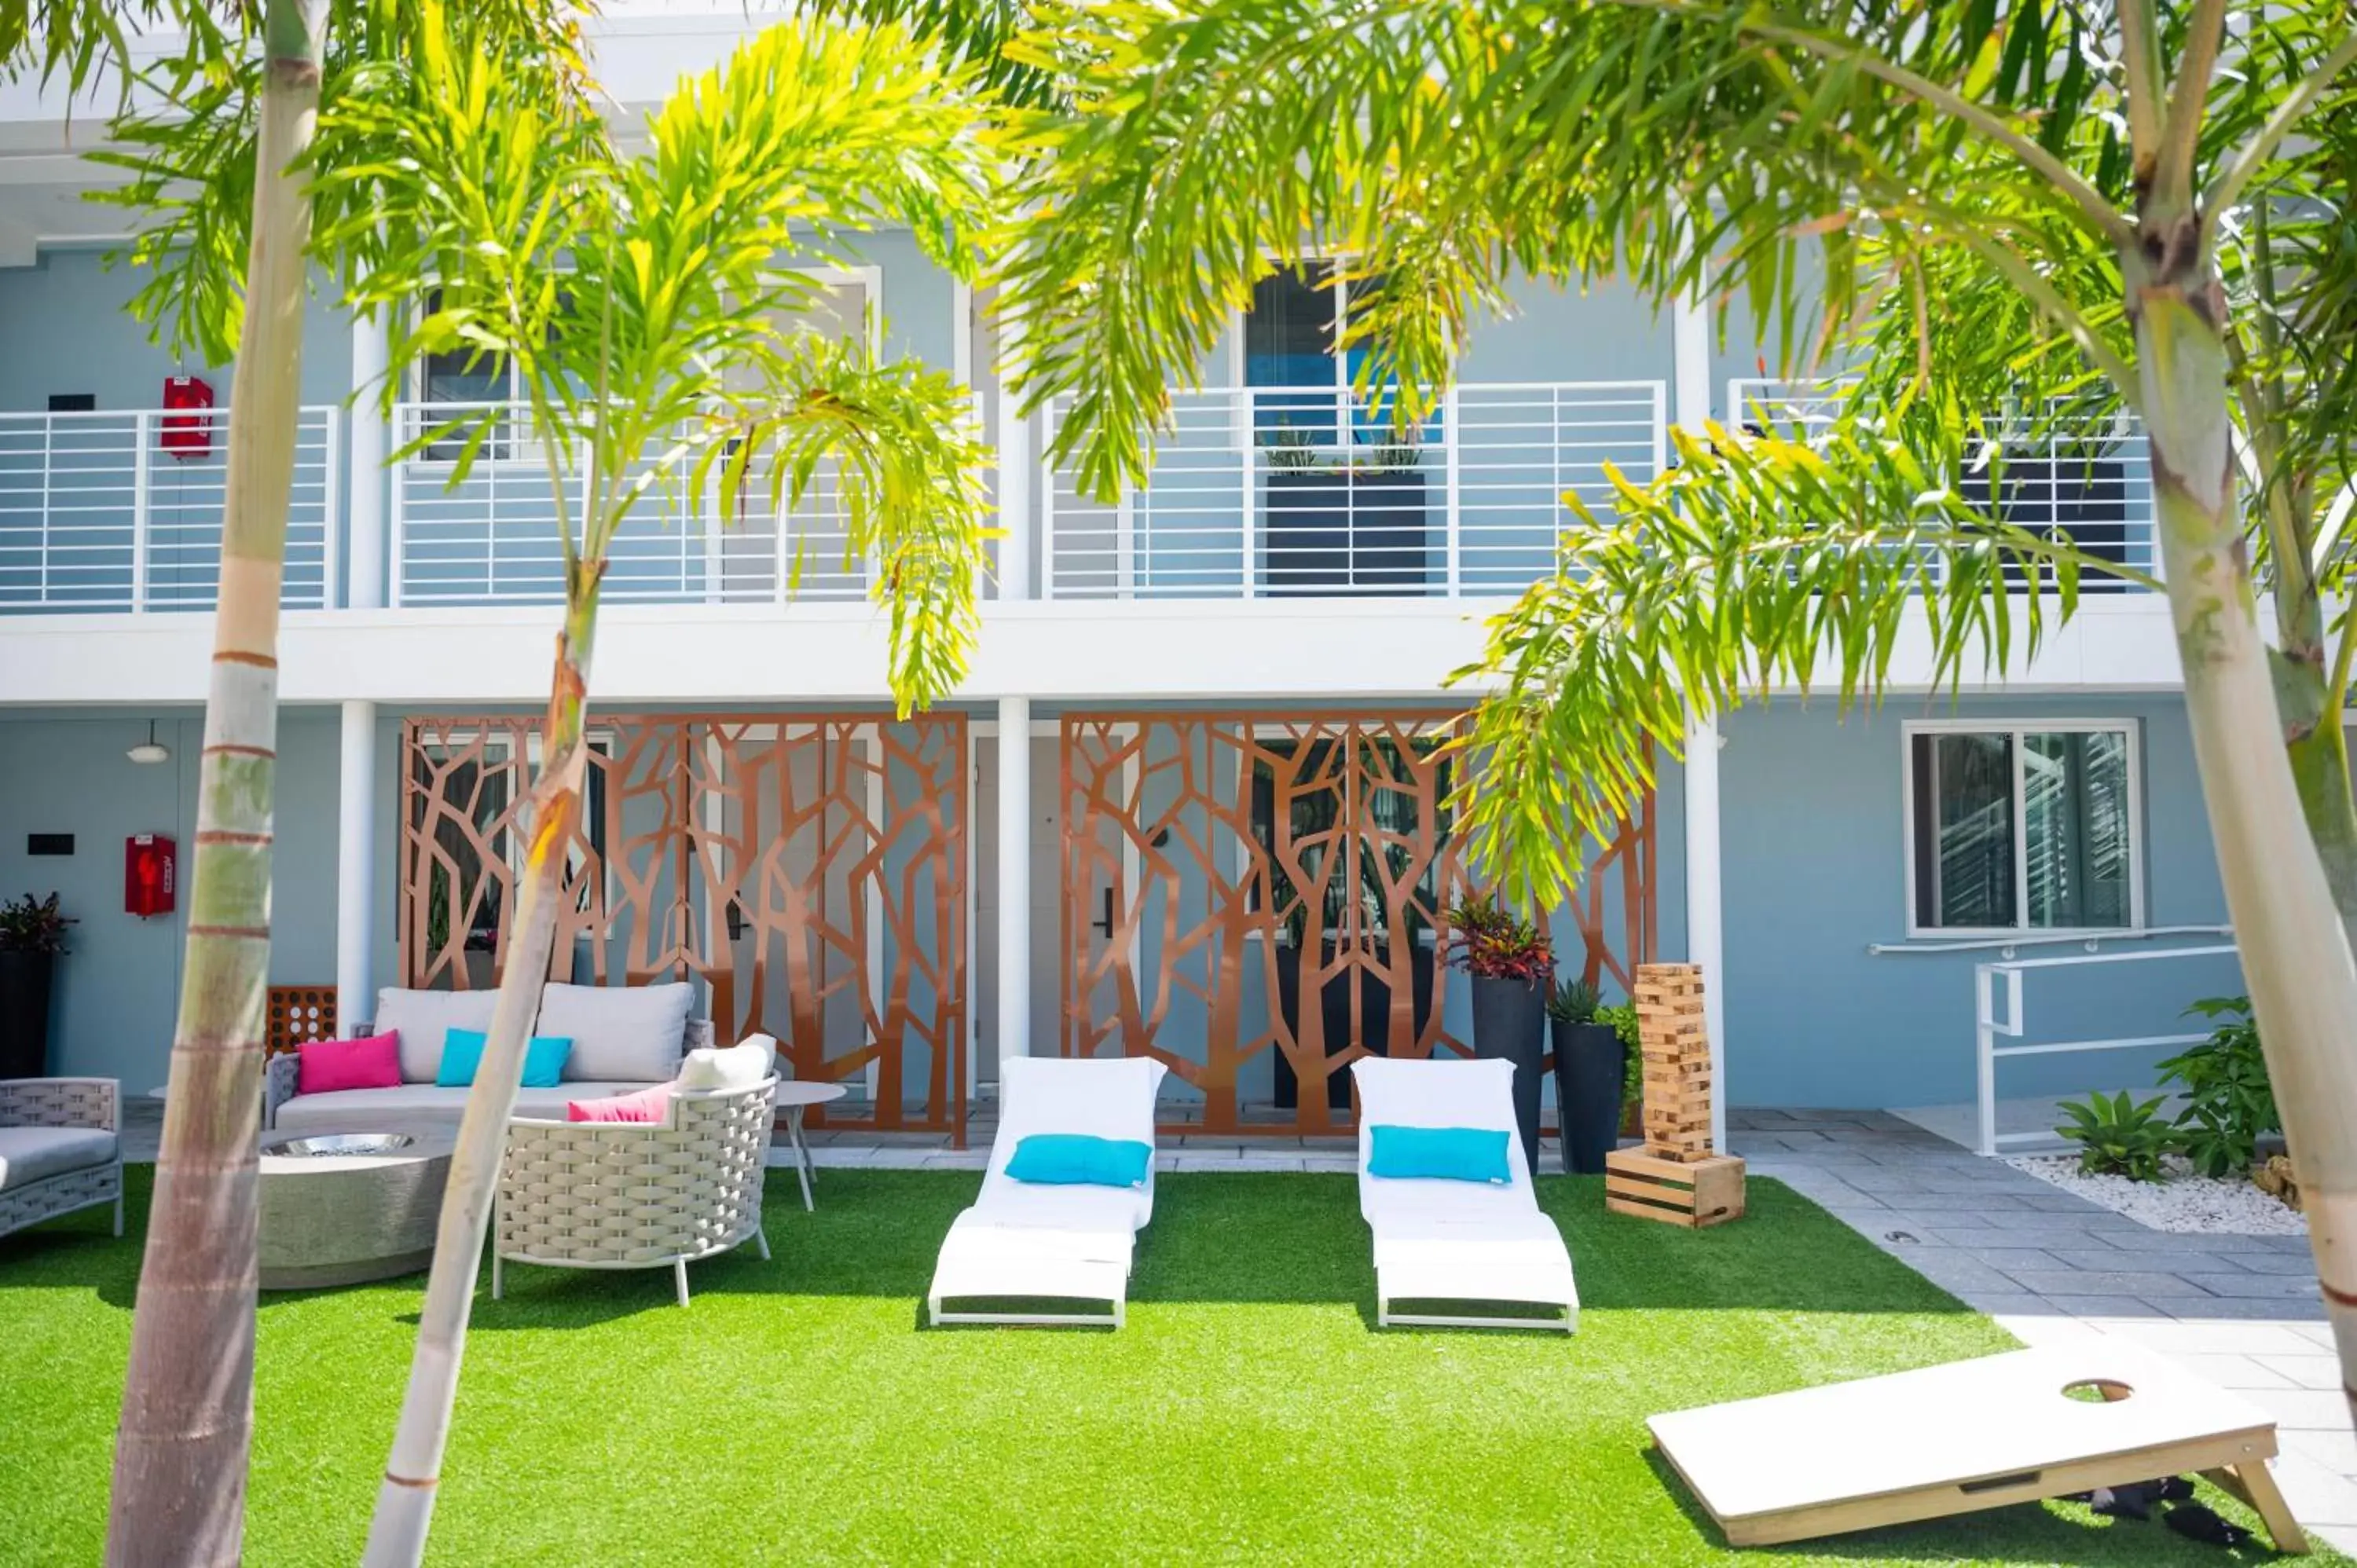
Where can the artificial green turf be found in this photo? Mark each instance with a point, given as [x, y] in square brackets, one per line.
[797, 1412]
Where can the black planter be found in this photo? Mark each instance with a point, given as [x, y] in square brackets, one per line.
[1591, 1069]
[25, 987]
[1334, 1017]
[1368, 533]
[1509, 1025]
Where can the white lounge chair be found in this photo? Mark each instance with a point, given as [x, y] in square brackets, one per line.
[1022, 1239]
[1456, 1240]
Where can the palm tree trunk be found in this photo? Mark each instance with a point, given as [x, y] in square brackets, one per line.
[2295, 956]
[405, 1504]
[187, 1403]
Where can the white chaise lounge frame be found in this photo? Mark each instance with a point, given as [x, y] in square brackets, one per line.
[1453, 1241]
[1025, 1241]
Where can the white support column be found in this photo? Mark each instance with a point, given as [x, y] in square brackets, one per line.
[1690, 345]
[1690, 329]
[1704, 940]
[371, 441]
[1014, 880]
[1018, 458]
[356, 865]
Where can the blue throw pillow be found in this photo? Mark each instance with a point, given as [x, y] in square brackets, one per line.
[462, 1055]
[1442, 1153]
[1075, 1159]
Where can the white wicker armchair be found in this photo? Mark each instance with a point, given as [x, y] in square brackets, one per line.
[602, 1195]
[59, 1148]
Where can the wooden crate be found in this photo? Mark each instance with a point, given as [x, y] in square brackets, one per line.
[299, 1013]
[1706, 1191]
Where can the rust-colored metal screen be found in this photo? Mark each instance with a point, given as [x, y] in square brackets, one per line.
[810, 868]
[1242, 886]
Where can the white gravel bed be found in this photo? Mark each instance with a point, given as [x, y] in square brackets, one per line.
[2185, 1202]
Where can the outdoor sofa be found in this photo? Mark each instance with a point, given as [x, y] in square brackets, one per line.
[644, 1195]
[625, 1039]
[58, 1148]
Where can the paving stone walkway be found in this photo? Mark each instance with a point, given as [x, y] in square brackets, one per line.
[2242, 1311]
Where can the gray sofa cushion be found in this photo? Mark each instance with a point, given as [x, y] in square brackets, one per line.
[422, 1105]
[28, 1154]
[633, 1032]
[422, 1017]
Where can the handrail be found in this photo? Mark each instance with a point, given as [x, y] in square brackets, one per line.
[2092, 940]
[105, 510]
[1988, 1026]
[1287, 492]
[2093, 479]
[492, 538]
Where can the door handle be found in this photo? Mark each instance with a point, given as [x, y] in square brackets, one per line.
[1104, 922]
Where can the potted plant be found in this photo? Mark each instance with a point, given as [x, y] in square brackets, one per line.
[32, 935]
[1591, 1076]
[1509, 962]
[1361, 523]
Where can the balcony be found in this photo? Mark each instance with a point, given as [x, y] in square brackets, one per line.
[2091, 480]
[1269, 492]
[492, 538]
[122, 510]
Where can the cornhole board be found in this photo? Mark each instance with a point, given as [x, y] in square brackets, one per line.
[1971, 1435]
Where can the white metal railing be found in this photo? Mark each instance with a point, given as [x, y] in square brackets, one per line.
[1988, 1025]
[1290, 492]
[98, 513]
[492, 538]
[2091, 480]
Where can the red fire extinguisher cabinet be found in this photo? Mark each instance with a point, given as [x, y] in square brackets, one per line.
[188, 433]
[150, 875]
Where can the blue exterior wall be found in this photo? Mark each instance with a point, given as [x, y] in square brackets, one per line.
[119, 985]
[65, 322]
[1812, 832]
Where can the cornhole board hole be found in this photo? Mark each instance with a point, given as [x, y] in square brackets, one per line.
[2005, 1429]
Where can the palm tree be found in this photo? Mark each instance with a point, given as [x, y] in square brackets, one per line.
[649, 310]
[187, 1403]
[2048, 152]
[221, 172]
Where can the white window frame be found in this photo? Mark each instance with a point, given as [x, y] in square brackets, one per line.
[870, 279]
[2130, 730]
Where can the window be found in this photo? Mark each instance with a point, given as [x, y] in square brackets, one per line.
[1292, 346]
[2022, 827]
[459, 378]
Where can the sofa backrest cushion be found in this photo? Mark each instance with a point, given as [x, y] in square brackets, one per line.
[422, 1017]
[632, 1033]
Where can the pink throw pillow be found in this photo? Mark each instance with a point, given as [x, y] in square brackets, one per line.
[374, 1062]
[644, 1105]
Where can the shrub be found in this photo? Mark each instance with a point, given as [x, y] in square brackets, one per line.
[1574, 1001]
[2229, 1102]
[33, 925]
[1489, 943]
[1623, 1019]
[2118, 1137]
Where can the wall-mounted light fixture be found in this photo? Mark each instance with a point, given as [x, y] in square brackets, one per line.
[151, 750]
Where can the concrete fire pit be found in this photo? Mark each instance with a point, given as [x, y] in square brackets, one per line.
[340, 1209]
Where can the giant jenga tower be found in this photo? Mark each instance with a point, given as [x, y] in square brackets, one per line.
[1677, 1176]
